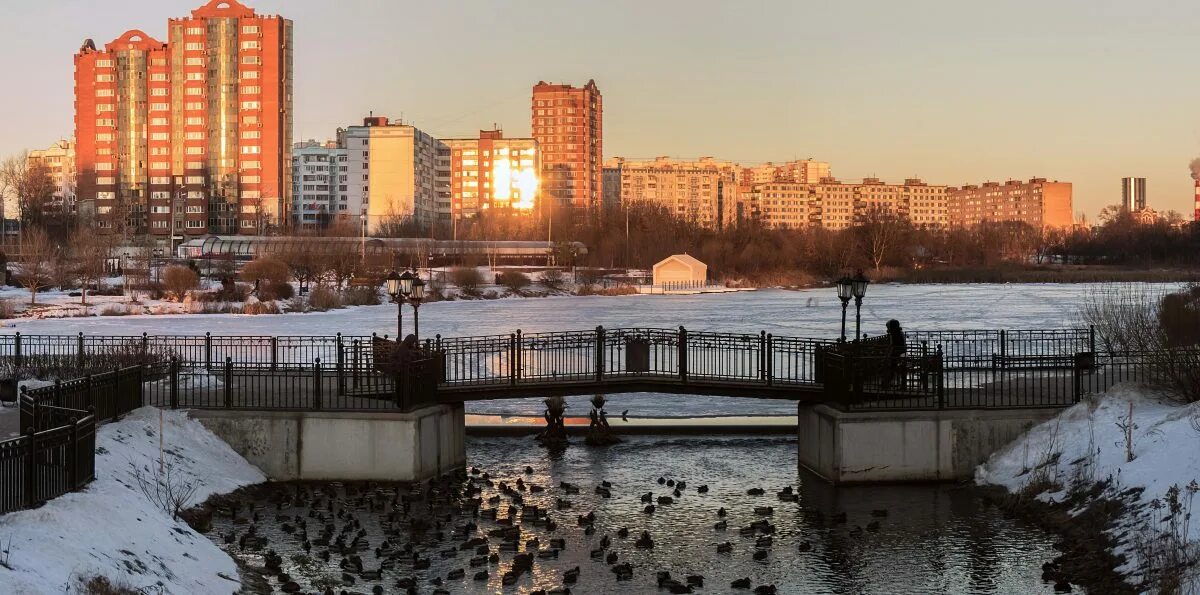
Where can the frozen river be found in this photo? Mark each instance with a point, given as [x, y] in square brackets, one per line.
[809, 313]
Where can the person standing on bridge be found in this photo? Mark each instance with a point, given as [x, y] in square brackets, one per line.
[897, 345]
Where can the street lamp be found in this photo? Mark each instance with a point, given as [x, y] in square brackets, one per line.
[394, 286]
[415, 297]
[845, 291]
[858, 287]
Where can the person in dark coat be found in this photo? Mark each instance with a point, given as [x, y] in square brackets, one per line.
[897, 345]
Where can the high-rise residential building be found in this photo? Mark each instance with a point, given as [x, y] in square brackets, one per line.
[806, 171]
[59, 161]
[832, 204]
[568, 126]
[1133, 194]
[191, 136]
[703, 191]
[395, 173]
[319, 185]
[493, 172]
[1038, 202]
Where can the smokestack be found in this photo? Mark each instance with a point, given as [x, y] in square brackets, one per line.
[1196, 215]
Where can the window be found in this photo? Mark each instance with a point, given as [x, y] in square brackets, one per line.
[194, 45]
[105, 122]
[159, 224]
[164, 180]
[160, 107]
[104, 137]
[193, 61]
[160, 136]
[195, 76]
[255, 90]
[250, 120]
[104, 93]
[194, 121]
[251, 105]
[194, 150]
[105, 78]
[251, 150]
[192, 224]
[194, 31]
[194, 105]
[194, 165]
[249, 74]
[104, 63]
[250, 29]
[251, 134]
[105, 180]
[157, 92]
[195, 208]
[251, 45]
[251, 165]
[251, 60]
[195, 179]
[158, 122]
[250, 194]
[247, 223]
[195, 194]
[194, 91]
[106, 195]
[194, 135]
[250, 179]
[160, 194]
[159, 210]
[104, 211]
[105, 107]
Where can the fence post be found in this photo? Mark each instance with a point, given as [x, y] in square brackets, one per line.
[145, 344]
[340, 366]
[357, 346]
[73, 456]
[174, 382]
[208, 351]
[1076, 379]
[1003, 348]
[683, 363]
[89, 396]
[31, 469]
[228, 382]
[940, 380]
[520, 364]
[17, 349]
[599, 353]
[770, 360]
[274, 352]
[1091, 338]
[79, 351]
[317, 384]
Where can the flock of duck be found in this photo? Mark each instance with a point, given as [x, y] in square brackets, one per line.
[437, 536]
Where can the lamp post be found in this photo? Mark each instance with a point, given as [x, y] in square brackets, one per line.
[399, 286]
[858, 287]
[845, 289]
[416, 295]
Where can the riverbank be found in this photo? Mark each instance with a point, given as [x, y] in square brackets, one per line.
[111, 528]
[1123, 463]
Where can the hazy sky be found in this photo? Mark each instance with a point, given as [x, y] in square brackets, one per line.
[953, 91]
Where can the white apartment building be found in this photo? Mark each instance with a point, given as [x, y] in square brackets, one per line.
[59, 159]
[395, 172]
[320, 195]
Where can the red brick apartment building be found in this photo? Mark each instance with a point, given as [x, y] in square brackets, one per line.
[568, 127]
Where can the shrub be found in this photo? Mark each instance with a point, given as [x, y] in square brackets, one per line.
[266, 270]
[553, 279]
[361, 296]
[275, 290]
[515, 281]
[468, 279]
[323, 298]
[260, 308]
[113, 310]
[178, 280]
[7, 310]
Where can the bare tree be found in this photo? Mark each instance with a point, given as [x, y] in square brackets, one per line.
[38, 255]
[881, 231]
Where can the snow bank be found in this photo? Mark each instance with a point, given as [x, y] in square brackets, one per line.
[111, 529]
[1090, 441]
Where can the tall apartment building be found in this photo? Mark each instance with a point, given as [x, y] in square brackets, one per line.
[395, 172]
[59, 160]
[703, 191]
[191, 136]
[1133, 194]
[1037, 202]
[836, 205]
[320, 197]
[493, 172]
[568, 126]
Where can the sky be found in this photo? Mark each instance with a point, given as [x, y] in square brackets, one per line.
[951, 91]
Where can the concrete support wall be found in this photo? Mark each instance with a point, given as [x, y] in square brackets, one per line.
[319, 445]
[870, 447]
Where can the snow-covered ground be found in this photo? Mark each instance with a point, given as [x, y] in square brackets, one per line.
[1090, 442]
[111, 529]
[810, 313]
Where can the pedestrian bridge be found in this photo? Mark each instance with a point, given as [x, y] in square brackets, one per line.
[339, 389]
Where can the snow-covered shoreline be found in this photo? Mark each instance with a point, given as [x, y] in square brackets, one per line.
[1087, 445]
[111, 529]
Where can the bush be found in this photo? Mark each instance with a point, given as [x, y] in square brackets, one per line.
[361, 296]
[114, 310]
[323, 298]
[6, 309]
[468, 279]
[178, 280]
[229, 292]
[553, 279]
[275, 290]
[515, 281]
[260, 308]
[266, 270]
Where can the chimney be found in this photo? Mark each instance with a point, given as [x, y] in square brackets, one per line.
[1196, 215]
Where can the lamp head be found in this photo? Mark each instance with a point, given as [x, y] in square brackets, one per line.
[845, 288]
[406, 283]
[418, 289]
[393, 284]
[859, 285]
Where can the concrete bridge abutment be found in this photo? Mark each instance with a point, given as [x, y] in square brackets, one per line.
[863, 447]
[344, 446]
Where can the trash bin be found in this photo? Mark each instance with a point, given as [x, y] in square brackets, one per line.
[637, 354]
